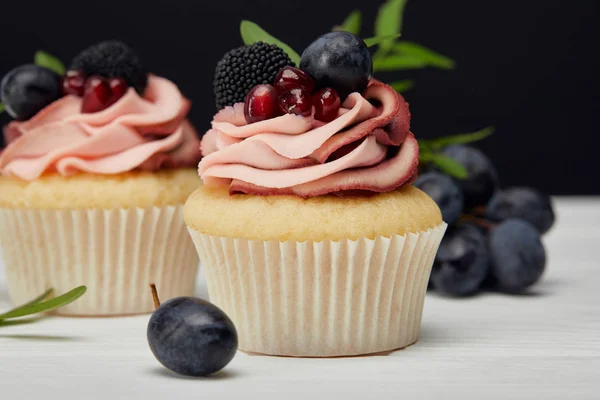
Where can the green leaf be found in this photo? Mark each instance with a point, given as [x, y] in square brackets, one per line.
[446, 165]
[396, 63]
[252, 33]
[352, 23]
[463, 138]
[402, 86]
[41, 297]
[389, 22]
[1, 108]
[47, 60]
[375, 40]
[416, 50]
[35, 308]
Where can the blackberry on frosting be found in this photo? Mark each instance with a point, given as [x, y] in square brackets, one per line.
[112, 59]
[245, 67]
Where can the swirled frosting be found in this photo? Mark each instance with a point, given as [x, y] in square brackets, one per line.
[368, 148]
[135, 133]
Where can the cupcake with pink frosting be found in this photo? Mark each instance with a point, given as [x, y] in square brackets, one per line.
[95, 171]
[311, 236]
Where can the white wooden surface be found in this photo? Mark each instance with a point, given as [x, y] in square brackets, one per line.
[545, 345]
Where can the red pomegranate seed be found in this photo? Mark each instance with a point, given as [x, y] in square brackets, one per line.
[97, 95]
[296, 101]
[290, 77]
[261, 104]
[118, 89]
[74, 83]
[327, 104]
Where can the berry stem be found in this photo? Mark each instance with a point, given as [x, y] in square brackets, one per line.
[478, 221]
[155, 295]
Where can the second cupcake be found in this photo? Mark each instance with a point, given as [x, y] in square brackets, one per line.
[97, 166]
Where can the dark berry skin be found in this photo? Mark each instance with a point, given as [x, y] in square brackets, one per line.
[527, 204]
[517, 254]
[482, 179]
[461, 263]
[339, 60]
[445, 192]
[192, 337]
[27, 89]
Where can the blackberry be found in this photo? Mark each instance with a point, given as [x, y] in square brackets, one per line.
[112, 59]
[245, 67]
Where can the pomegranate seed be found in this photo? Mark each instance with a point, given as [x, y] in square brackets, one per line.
[296, 101]
[290, 77]
[97, 95]
[74, 83]
[327, 104]
[261, 104]
[118, 88]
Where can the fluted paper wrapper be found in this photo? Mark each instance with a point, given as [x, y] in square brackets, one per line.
[321, 299]
[116, 253]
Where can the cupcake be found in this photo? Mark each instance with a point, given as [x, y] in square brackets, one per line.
[97, 166]
[311, 237]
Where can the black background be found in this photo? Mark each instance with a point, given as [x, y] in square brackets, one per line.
[528, 67]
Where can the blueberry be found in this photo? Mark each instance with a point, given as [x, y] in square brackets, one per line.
[517, 254]
[444, 192]
[340, 60]
[27, 89]
[527, 204]
[461, 263]
[482, 179]
[192, 337]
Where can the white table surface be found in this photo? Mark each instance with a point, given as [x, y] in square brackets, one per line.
[545, 345]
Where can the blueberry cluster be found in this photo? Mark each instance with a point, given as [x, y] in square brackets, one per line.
[494, 235]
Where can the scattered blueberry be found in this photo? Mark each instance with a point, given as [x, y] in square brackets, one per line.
[517, 254]
[482, 179]
[340, 60]
[27, 89]
[192, 337]
[527, 204]
[461, 263]
[442, 189]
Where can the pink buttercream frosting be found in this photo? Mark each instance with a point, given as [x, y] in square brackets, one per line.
[135, 133]
[368, 148]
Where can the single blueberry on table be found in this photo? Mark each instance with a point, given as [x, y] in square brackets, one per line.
[340, 60]
[524, 203]
[27, 89]
[517, 254]
[191, 336]
[447, 195]
[461, 263]
[482, 178]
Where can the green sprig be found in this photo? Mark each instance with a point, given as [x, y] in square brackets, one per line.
[47, 60]
[40, 305]
[429, 57]
[402, 86]
[430, 151]
[352, 23]
[463, 138]
[389, 22]
[252, 33]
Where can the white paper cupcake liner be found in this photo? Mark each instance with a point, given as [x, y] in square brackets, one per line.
[116, 253]
[321, 299]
